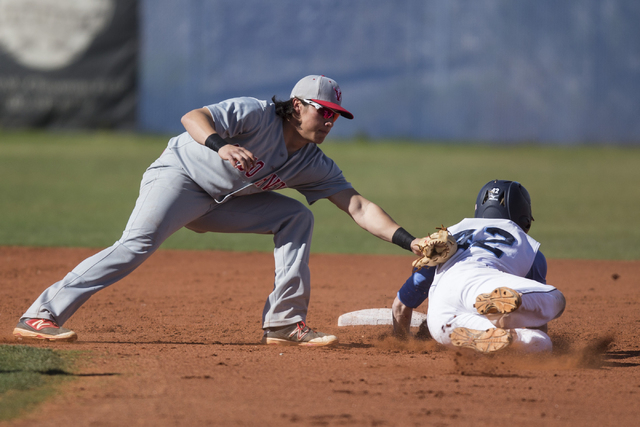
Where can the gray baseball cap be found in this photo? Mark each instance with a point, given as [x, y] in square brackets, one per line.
[322, 90]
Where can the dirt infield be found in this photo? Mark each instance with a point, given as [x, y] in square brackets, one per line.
[177, 343]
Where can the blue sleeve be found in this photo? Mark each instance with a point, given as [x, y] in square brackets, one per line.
[538, 270]
[416, 289]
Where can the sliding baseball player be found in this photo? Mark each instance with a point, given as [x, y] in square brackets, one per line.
[491, 292]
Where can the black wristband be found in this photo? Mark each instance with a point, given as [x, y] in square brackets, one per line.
[402, 238]
[215, 142]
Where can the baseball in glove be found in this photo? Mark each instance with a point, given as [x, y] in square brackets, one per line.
[436, 249]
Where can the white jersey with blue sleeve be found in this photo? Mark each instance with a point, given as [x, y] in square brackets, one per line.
[492, 253]
[495, 243]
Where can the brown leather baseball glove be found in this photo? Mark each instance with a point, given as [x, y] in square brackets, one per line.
[436, 249]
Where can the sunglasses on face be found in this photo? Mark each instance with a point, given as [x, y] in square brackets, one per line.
[326, 113]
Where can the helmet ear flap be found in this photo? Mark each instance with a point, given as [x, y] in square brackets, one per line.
[525, 223]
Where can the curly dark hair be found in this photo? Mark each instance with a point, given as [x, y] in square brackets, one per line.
[284, 109]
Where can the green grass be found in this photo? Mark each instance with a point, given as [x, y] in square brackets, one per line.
[28, 376]
[78, 189]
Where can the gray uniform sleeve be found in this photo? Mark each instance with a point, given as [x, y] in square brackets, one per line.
[329, 179]
[237, 116]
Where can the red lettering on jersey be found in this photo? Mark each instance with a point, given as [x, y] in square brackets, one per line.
[254, 170]
[259, 183]
[274, 183]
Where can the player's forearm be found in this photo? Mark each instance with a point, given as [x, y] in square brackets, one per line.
[376, 221]
[372, 218]
[401, 318]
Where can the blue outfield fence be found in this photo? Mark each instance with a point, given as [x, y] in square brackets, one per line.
[486, 70]
[475, 70]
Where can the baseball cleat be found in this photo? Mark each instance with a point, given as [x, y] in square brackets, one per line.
[499, 301]
[297, 334]
[483, 341]
[42, 329]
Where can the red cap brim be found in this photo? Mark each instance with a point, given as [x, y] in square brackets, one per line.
[335, 107]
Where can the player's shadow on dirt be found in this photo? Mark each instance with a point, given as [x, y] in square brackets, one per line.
[340, 345]
[172, 343]
[56, 372]
[596, 354]
[355, 345]
[99, 374]
[620, 355]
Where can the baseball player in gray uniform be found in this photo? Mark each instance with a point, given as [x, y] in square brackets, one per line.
[492, 293]
[218, 176]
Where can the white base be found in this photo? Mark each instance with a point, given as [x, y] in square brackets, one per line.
[376, 316]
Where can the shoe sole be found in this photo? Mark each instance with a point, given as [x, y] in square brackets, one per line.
[499, 301]
[323, 342]
[21, 334]
[488, 341]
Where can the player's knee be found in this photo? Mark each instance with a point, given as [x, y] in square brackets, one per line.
[139, 244]
[299, 217]
[560, 302]
[305, 214]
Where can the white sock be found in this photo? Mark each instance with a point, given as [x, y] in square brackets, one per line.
[531, 341]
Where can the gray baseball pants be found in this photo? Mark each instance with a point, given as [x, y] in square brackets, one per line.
[170, 200]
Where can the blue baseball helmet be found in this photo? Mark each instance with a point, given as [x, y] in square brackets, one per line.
[505, 199]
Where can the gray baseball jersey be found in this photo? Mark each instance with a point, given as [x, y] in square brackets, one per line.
[191, 186]
[253, 124]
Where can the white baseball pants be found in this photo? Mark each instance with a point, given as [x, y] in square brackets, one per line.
[452, 296]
